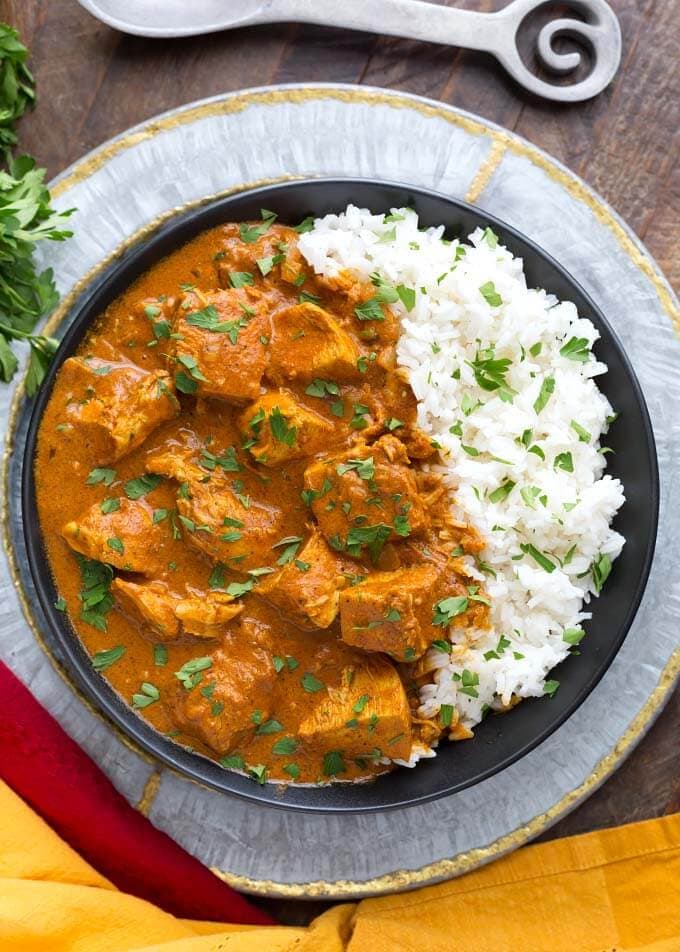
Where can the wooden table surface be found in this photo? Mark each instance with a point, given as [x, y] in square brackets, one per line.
[93, 83]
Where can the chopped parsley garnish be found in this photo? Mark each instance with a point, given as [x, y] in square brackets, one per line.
[468, 683]
[160, 655]
[226, 462]
[208, 319]
[148, 694]
[402, 526]
[547, 564]
[583, 434]
[280, 429]
[284, 746]
[233, 762]
[550, 687]
[491, 373]
[270, 727]
[237, 589]
[305, 225]
[251, 233]
[333, 763]
[546, 391]
[292, 545]
[136, 488]
[373, 537]
[109, 505]
[444, 611]
[564, 461]
[490, 294]
[322, 388]
[446, 714]
[490, 237]
[359, 421]
[407, 296]
[576, 348]
[104, 659]
[600, 570]
[240, 279]
[98, 475]
[217, 576]
[265, 265]
[573, 636]
[310, 683]
[190, 672]
[502, 492]
[258, 772]
[361, 704]
[185, 384]
[292, 770]
[370, 310]
[364, 468]
[116, 544]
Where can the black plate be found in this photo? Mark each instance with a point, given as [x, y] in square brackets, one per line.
[499, 740]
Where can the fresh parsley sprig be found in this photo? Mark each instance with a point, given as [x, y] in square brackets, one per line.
[26, 217]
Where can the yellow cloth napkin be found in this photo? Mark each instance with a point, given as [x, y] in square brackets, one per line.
[613, 891]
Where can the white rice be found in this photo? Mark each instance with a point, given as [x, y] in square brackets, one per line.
[565, 515]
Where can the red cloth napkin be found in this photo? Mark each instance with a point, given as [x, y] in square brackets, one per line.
[59, 781]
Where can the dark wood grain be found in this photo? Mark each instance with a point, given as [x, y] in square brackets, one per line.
[93, 83]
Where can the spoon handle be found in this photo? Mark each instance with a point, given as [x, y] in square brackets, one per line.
[494, 33]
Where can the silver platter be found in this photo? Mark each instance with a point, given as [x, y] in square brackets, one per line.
[179, 159]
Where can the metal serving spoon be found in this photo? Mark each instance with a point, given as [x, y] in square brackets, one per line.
[494, 33]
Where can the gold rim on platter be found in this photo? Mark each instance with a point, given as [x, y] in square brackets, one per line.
[502, 141]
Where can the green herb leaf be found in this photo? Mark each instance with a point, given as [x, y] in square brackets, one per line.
[240, 279]
[546, 391]
[407, 296]
[96, 476]
[547, 564]
[279, 428]
[104, 659]
[190, 672]
[284, 747]
[564, 461]
[600, 570]
[490, 294]
[444, 611]
[576, 348]
[333, 763]
[136, 488]
[311, 684]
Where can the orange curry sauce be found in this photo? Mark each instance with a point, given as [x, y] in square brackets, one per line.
[232, 495]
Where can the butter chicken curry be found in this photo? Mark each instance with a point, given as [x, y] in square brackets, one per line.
[239, 516]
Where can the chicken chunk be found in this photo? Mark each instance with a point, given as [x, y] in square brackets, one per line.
[393, 612]
[367, 709]
[220, 703]
[127, 538]
[221, 346]
[170, 617]
[116, 404]
[308, 587]
[366, 496]
[308, 342]
[213, 518]
[283, 429]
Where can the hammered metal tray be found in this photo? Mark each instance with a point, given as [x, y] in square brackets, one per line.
[259, 136]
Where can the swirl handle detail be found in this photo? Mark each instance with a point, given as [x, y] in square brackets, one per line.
[496, 33]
